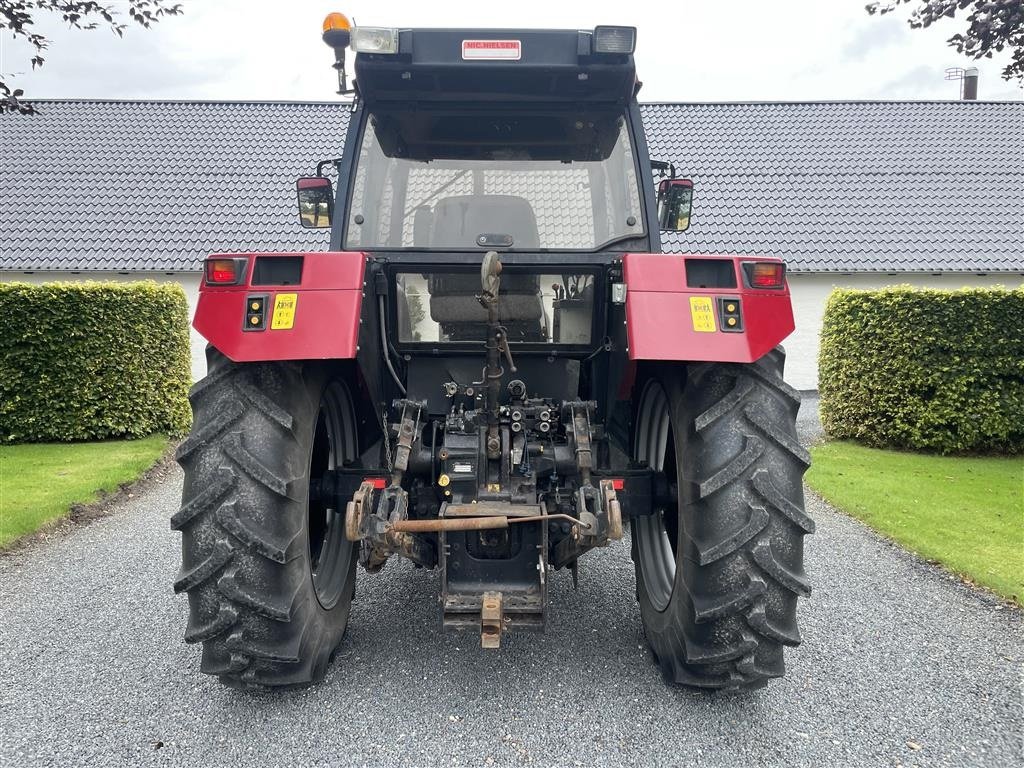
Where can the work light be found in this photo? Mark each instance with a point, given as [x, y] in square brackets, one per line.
[374, 40]
[614, 39]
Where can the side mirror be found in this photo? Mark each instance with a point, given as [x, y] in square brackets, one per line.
[316, 202]
[675, 200]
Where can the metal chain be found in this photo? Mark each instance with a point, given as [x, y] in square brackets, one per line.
[387, 440]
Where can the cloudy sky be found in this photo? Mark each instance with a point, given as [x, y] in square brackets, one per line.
[735, 50]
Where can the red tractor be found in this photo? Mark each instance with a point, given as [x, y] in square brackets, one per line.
[492, 371]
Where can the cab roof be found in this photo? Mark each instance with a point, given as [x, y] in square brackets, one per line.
[506, 65]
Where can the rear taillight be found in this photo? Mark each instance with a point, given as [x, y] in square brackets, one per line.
[225, 271]
[765, 274]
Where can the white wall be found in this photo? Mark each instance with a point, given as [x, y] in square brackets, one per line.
[810, 292]
[188, 281]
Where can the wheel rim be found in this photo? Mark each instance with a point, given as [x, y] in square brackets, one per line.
[334, 445]
[656, 535]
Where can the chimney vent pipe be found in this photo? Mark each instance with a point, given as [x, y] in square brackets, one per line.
[970, 92]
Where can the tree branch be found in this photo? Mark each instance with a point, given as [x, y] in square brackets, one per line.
[18, 16]
[992, 26]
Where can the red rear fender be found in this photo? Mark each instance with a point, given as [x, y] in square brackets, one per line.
[670, 315]
[284, 306]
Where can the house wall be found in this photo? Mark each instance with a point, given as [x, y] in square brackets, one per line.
[809, 291]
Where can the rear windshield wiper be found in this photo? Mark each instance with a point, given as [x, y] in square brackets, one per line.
[436, 192]
[618, 239]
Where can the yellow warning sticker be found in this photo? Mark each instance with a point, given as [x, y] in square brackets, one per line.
[284, 311]
[702, 311]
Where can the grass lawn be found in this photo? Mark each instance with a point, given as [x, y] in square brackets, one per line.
[966, 513]
[39, 482]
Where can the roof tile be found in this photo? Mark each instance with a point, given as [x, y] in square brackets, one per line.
[829, 186]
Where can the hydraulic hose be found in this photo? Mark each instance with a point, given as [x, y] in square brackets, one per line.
[384, 347]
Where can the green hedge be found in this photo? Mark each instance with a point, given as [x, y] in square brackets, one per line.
[86, 361]
[925, 369]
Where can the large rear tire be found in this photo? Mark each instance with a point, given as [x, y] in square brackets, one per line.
[269, 574]
[719, 572]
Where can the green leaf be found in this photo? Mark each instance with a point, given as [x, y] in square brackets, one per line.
[928, 370]
[93, 360]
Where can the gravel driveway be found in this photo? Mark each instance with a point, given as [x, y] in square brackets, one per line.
[901, 665]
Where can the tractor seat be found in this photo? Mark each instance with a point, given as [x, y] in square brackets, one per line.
[460, 219]
[455, 307]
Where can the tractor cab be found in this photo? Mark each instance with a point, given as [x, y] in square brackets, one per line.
[521, 141]
[527, 143]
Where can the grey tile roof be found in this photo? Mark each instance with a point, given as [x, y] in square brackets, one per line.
[830, 186]
[94, 185]
[851, 186]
